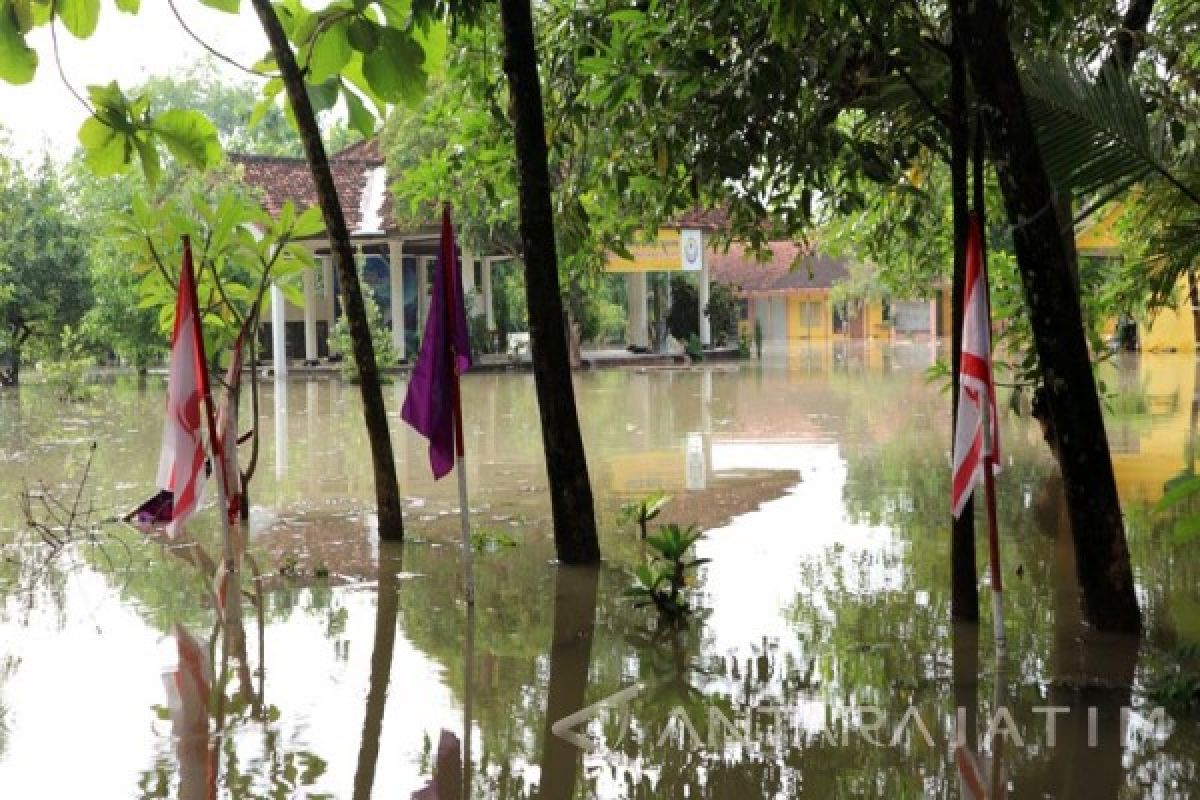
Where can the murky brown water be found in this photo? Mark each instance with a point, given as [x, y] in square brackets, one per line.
[822, 476]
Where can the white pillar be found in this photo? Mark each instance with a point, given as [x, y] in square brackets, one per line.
[310, 317]
[278, 331]
[422, 292]
[705, 323]
[636, 290]
[396, 281]
[467, 265]
[327, 293]
[489, 308]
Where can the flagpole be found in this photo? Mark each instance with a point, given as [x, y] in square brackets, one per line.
[989, 487]
[230, 563]
[449, 276]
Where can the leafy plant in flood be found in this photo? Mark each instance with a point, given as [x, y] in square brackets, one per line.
[663, 580]
[645, 510]
[1177, 686]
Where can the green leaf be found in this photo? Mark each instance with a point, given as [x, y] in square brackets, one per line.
[129, 6]
[18, 61]
[361, 118]
[363, 35]
[394, 70]
[148, 155]
[1179, 492]
[106, 151]
[190, 137]
[228, 6]
[323, 96]
[310, 223]
[79, 17]
[330, 52]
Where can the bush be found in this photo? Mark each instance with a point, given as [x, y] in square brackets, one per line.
[381, 339]
[723, 312]
[66, 372]
[683, 320]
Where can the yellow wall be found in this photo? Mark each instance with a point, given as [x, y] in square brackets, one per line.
[1171, 328]
[1147, 453]
[820, 326]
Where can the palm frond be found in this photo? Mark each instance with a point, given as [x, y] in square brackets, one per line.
[1095, 133]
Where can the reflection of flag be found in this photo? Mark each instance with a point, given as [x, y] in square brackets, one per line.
[446, 783]
[181, 462]
[445, 353]
[976, 385]
[188, 688]
[970, 775]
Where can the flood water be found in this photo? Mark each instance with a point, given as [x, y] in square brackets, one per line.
[822, 662]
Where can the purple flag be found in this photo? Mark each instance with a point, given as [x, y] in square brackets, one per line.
[432, 400]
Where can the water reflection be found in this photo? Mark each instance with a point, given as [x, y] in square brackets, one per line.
[822, 476]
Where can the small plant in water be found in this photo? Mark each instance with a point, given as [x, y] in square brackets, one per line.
[490, 539]
[663, 581]
[644, 511]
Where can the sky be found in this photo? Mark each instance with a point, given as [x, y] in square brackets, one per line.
[43, 115]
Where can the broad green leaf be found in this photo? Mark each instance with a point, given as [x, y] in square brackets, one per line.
[361, 118]
[79, 17]
[228, 6]
[18, 61]
[148, 154]
[106, 151]
[1180, 491]
[330, 52]
[310, 223]
[363, 35]
[129, 6]
[190, 137]
[394, 69]
[323, 96]
[396, 12]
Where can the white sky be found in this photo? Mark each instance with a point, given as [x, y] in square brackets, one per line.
[43, 115]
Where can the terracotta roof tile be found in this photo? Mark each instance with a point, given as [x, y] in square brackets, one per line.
[738, 266]
[282, 178]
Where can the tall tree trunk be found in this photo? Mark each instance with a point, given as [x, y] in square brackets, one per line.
[566, 466]
[387, 491]
[1102, 557]
[964, 596]
[570, 659]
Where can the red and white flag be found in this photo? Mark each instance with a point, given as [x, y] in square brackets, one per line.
[181, 462]
[976, 385]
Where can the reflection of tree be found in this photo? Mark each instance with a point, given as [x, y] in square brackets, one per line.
[570, 657]
[391, 559]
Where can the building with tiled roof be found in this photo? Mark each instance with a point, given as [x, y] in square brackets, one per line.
[396, 265]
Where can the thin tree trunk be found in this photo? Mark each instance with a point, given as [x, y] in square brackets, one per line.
[387, 491]
[964, 596]
[575, 537]
[1102, 557]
